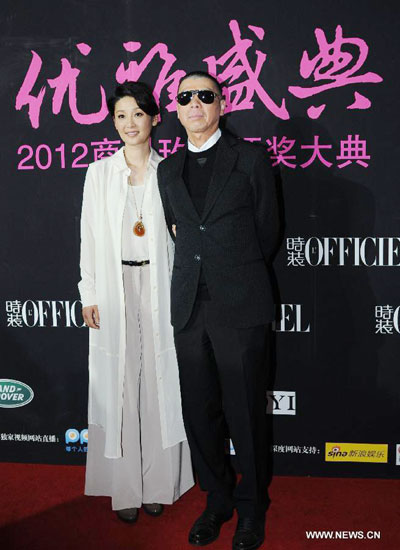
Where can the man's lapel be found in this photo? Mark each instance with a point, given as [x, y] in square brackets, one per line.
[224, 163]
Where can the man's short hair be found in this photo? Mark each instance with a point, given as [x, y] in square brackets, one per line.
[202, 74]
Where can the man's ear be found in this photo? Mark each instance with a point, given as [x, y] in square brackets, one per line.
[223, 105]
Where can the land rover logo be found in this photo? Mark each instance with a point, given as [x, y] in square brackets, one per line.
[14, 393]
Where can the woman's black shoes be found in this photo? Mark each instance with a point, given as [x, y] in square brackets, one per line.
[128, 515]
[153, 509]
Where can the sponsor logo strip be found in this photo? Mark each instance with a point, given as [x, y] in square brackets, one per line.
[356, 452]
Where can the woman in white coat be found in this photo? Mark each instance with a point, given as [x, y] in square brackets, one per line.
[137, 449]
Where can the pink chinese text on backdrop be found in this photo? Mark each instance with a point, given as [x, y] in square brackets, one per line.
[333, 66]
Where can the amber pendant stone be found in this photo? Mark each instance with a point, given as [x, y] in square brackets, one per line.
[138, 229]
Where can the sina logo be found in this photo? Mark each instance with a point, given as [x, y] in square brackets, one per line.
[335, 452]
[14, 393]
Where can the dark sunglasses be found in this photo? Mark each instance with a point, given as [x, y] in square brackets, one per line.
[205, 96]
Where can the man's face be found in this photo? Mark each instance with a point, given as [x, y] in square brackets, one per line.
[198, 117]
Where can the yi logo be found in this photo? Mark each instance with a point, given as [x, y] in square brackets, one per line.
[281, 402]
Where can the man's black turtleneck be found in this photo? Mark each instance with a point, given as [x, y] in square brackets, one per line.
[197, 173]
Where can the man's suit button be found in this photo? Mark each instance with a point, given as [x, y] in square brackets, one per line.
[202, 228]
[197, 257]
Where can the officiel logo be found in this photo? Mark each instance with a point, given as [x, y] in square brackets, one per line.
[44, 313]
[387, 319]
[356, 452]
[281, 402]
[398, 454]
[291, 319]
[342, 251]
[14, 393]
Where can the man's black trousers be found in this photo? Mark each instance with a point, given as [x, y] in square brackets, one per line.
[223, 374]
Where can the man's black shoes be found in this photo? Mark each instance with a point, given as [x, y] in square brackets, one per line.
[207, 527]
[249, 534]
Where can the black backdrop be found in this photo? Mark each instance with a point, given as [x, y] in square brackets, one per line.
[338, 293]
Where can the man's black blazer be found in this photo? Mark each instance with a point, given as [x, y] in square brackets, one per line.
[233, 239]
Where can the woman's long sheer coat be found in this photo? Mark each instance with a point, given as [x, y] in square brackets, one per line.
[101, 284]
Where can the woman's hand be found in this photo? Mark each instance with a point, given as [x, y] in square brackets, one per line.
[174, 229]
[91, 316]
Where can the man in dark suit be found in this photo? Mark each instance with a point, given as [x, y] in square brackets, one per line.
[219, 200]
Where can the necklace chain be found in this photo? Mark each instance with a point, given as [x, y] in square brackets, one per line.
[138, 228]
[138, 214]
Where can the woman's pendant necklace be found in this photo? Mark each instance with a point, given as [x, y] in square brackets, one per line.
[139, 229]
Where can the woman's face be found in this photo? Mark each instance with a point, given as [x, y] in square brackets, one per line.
[133, 125]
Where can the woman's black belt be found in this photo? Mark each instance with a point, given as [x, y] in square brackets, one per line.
[143, 262]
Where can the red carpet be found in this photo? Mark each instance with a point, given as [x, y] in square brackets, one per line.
[42, 508]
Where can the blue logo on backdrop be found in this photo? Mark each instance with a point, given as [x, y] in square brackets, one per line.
[76, 441]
